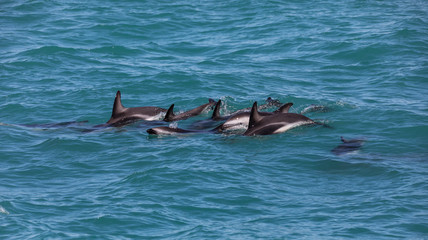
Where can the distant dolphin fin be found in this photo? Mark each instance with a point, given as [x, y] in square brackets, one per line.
[254, 116]
[284, 108]
[169, 116]
[117, 106]
[216, 113]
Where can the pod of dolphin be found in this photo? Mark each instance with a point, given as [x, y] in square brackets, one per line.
[250, 120]
[253, 122]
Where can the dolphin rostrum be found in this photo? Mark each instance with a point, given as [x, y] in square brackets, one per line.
[275, 123]
[121, 115]
[171, 117]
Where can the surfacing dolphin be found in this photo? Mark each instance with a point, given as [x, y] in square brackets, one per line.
[212, 121]
[275, 123]
[172, 131]
[171, 117]
[121, 115]
[348, 146]
[241, 120]
[216, 117]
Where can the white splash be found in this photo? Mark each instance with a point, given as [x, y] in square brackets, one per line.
[4, 211]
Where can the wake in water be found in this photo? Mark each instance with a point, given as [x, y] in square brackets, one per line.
[246, 121]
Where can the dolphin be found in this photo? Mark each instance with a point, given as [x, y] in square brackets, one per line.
[169, 131]
[241, 120]
[275, 123]
[172, 131]
[121, 115]
[212, 121]
[171, 117]
[348, 146]
[216, 116]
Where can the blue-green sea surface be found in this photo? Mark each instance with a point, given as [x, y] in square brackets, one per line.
[365, 63]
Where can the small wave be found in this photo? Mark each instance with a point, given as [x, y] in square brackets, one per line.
[116, 50]
[49, 50]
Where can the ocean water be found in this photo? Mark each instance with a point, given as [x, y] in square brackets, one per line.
[365, 62]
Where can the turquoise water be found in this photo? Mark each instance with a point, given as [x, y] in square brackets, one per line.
[365, 61]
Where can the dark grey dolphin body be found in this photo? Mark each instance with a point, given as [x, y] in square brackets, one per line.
[121, 115]
[216, 117]
[275, 123]
[170, 131]
[241, 120]
[212, 121]
[171, 117]
[348, 146]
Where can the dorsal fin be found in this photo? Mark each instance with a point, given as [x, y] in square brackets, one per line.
[216, 113]
[254, 116]
[343, 139]
[169, 116]
[284, 108]
[117, 106]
